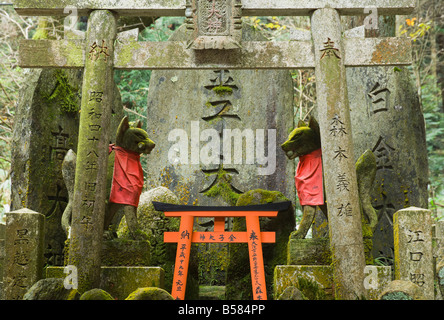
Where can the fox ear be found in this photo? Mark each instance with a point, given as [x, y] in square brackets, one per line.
[123, 126]
[313, 124]
[301, 124]
[139, 124]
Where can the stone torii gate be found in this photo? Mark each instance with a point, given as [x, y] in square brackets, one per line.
[217, 45]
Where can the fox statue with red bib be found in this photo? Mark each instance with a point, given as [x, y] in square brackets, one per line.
[305, 142]
[125, 177]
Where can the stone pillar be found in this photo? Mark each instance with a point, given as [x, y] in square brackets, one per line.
[2, 256]
[344, 215]
[92, 150]
[24, 240]
[412, 231]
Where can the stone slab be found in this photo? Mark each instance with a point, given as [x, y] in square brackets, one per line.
[412, 230]
[253, 54]
[309, 252]
[24, 252]
[121, 252]
[121, 281]
[158, 8]
[376, 279]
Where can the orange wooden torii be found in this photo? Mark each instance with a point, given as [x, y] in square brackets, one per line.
[253, 236]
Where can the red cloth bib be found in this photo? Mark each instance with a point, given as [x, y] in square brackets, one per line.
[127, 178]
[308, 179]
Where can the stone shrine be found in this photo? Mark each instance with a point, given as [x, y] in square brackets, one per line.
[328, 52]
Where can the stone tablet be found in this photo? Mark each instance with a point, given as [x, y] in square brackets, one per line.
[24, 252]
[217, 129]
[413, 248]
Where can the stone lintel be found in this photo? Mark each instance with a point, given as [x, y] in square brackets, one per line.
[158, 8]
[253, 55]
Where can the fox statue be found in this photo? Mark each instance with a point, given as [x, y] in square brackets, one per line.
[124, 179]
[305, 142]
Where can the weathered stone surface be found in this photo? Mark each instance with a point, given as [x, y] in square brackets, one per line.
[440, 275]
[123, 252]
[412, 229]
[315, 282]
[292, 293]
[238, 284]
[308, 252]
[40, 144]
[46, 127]
[402, 290]
[96, 294]
[150, 294]
[119, 282]
[252, 55]
[218, 99]
[50, 289]
[344, 217]
[380, 97]
[24, 252]
[376, 279]
[2, 256]
[92, 153]
[154, 224]
[251, 8]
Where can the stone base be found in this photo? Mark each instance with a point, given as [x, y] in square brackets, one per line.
[122, 252]
[308, 252]
[316, 282]
[121, 281]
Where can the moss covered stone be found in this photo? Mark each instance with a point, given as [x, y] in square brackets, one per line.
[123, 252]
[119, 282]
[155, 224]
[150, 294]
[238, 284]
[67, 94]
[309, 252]
[96, 294]
[292, 293]
[50, 289]
[315, 282]
[402, 290]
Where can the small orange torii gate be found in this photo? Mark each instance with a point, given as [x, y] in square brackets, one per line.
[253, 236]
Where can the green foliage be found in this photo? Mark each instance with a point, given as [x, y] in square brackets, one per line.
[134, 84]
[434, 120]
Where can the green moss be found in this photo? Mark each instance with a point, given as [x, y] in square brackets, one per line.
[150, 293]
[238, 276]
[222, 90]
[65, 93]
[310, 289]
[42, 29]
[125, 55]
[223, 188]
[96, 294]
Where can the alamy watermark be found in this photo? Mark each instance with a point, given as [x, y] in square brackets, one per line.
[71, 280]
[227, 149]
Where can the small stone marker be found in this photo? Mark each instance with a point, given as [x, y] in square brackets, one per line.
[412, 229]
[24, 252]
